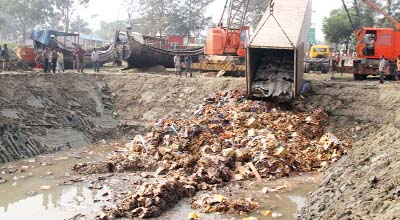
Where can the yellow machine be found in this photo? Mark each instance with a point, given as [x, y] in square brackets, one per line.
[320, 51]
[319, 59]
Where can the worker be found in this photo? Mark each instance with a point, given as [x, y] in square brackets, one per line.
[382, 69]
[188, 63]
[6, 58]
[80, 56]
[53, 58]
[177, 63]
[53, 43]
[371, 46]
[398, 69]
[60, 61]
[95, 60]
[45, 57]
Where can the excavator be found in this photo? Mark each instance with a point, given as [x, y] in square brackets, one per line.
[372, 43]
[225, 43]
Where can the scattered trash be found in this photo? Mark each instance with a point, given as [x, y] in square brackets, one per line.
[217, 203]
[266, 213]
[228, 138]
[193, 216]
[276, 215]
[45, 187]
[2, 181]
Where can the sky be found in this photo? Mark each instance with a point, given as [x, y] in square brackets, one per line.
[112, 10]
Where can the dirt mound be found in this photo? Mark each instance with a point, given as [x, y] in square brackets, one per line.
[144, 98]
[46, 113]
[365, 184]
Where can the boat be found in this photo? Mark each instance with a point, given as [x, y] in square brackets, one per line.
[68, 42]
[139, 55]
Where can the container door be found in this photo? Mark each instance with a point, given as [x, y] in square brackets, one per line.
[299, 69]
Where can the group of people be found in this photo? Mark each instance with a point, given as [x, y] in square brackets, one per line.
[79, 59]
[5, 55]
[53, 59]
[178, 65]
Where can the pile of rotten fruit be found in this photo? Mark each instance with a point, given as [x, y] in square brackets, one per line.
[229, 138]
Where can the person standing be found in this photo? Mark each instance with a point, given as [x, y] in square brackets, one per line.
[95, 60]
[382, 69]
[53, 57]
[80, 56]
[60, 61]
[188, 64]
[177, 63]
[45, 57]
[398, 68]
[6, 58]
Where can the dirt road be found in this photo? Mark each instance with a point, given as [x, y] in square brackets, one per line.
[366, 183]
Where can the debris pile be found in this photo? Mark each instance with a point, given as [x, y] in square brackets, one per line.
[150, 199]
[218, 203]
[277, 69]
[229, 138]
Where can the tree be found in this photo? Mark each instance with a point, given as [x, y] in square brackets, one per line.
[256, 11]
[28, 14]
[337, 28]
[79, 25]
[168, 16]
[107, 29]
[67, 8]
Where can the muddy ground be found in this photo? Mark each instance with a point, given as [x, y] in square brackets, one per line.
[366, 183]
[49, 113]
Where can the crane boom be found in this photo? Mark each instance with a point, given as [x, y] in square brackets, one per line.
[353, 26]
[387, 15]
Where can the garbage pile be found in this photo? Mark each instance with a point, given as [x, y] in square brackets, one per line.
[218, 203]
[274, 76]
[228, 138]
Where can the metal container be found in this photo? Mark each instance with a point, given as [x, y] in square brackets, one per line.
[275, 54]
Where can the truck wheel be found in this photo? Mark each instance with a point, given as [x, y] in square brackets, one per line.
[325, 68]
[306, 67]
[359, 77]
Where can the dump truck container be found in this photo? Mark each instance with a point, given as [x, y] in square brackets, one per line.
[275, 53]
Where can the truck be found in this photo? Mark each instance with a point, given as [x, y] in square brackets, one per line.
[373, 43]
[319, 59]
[275, 53]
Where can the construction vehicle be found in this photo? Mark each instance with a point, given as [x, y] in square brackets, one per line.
[372, 43]
[225, 44]
[275, 53]
[319, 59]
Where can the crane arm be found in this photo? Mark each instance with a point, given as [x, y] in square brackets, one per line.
[353, 26]
[387, 15]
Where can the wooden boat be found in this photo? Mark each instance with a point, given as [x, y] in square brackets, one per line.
[42, 39]
[105, 56]
[140, 55]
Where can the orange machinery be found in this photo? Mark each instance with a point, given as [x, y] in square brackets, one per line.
[386, 43]
[225, 45]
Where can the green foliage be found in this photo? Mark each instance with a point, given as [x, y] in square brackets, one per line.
[158, 17]
[256, 11]
[28, 14]
[79, 25]
[337, 27]
[107, 29]
[66, 10]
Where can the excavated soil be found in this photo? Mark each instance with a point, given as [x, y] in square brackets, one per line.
[47, 113]
[366, 183]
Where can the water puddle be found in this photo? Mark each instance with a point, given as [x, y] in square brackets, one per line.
[43, 191]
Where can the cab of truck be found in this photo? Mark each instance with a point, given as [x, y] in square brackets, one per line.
[320, 51]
